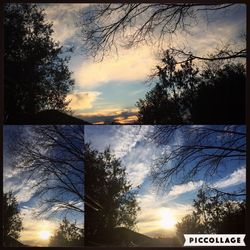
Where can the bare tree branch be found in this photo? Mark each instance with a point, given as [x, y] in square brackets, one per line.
[52, 159]
[105, 27]
[191, 151]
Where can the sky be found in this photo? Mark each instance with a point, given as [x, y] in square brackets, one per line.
[108, 90]
[29, 203]
[160, 208]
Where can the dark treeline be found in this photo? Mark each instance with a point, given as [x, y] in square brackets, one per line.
[184, 94]
[36, 73]
[214, 213]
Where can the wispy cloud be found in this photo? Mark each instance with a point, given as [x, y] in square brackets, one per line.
[177, 190]
[23, 190]
[137, 173]
[235, 178]
[126, 120]
[63, 17]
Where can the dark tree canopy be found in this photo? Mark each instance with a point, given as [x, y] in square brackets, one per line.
[220, 98]
[67, 235]
[12, 221]
[36, 75]
[112, 201]
[185, 93]
[214, 213]
[196, 152]
[51, 157]
[107, 27]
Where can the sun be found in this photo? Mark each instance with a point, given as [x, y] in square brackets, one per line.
[44, 235]
[168, 220]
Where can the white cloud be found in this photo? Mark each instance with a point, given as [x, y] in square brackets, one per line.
[137, 172]
[25, 191]
[126, 138]
[64, 17]
[82, 100]
[177, 190]
[131, 65]
[128, 144]
[235, 178]
[136, 64]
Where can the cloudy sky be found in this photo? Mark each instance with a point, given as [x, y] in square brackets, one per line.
[109, 89]
[17, 181]
[160, 209]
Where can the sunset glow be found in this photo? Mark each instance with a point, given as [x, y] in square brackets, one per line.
[168, 220]
[44, 235]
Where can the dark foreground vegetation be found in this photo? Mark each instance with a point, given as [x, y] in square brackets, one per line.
[124, 237]
[36, 73]
[186, 94]
[45, 117]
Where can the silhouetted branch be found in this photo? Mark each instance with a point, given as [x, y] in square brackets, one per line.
[189, 151]
[223, 54]
[105, 27]
[52, 159]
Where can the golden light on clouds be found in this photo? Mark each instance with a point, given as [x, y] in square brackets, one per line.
[109, 111]
[118, 115]
[82, 100]
[131, 65]
[126, 120]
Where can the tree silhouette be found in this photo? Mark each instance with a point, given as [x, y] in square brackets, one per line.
[226, 88]
[214, 213]
[107, 187]
[51, 158]
[36, 75]
[12, 221]
[195, 152]
[139, 23]
[68, 234]
[170, 100]
[184, 92]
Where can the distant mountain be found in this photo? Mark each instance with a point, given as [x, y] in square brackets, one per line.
[46, 117]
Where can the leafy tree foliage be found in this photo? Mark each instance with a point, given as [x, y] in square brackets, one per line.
[112, 201]
[68, 234]
[186, 94]
[36, 72]
[220, 98]
[12, 222]
[214, 212]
